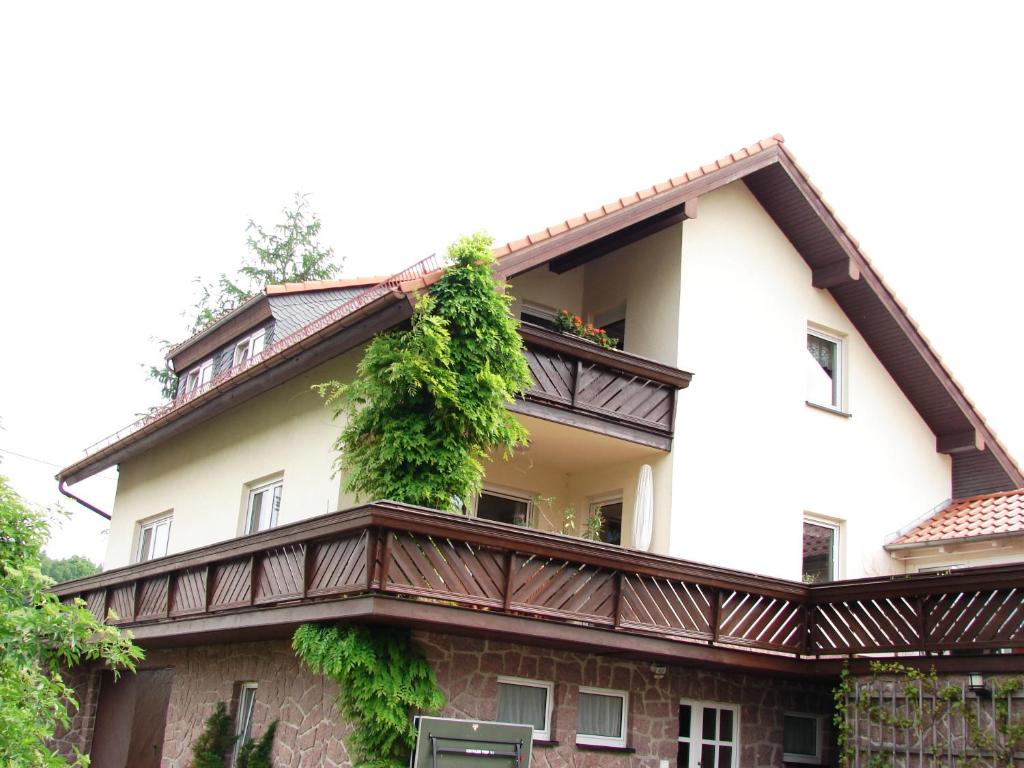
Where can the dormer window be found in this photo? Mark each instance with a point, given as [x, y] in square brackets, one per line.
[249, 347]
[197, 377]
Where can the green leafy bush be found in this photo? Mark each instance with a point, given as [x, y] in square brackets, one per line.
[256, 754]
[40, 637]
[383, 680]
[213, 747]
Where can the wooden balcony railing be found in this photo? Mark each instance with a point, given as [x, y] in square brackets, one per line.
[584, 385]
[425, 556]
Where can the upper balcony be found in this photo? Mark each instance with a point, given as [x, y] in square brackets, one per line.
[392, 563]
[581, 384]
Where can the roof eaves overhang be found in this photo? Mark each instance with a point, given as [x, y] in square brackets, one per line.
[347, 332]
[954, 541]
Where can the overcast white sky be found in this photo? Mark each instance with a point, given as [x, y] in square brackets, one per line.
[136, 141]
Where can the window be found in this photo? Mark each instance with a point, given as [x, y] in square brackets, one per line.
[611, 513]
[505, 507]
[197, 377]
[243, 717]
[538, 315]
[821, 548]
[263, 507]
[601, 717]
[249, 347]
[708, 735]
[802, 735]
[153, 536]
[824, 369]
[614, 324]
[526, 701]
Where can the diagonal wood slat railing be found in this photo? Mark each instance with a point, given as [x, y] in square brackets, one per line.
[389, 549]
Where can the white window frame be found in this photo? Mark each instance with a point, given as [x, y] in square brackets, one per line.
[696, 739]
[243, 720]
[814, 759]
[199, 376]
[604, 499]
[249, 347]
[538, 310]
[838, 400]
[590, 740]
[513, 494]
[255, 489]
[837, 530]
[152, 524]
[549, 696]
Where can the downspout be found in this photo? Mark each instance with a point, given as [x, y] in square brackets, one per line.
[81, 501]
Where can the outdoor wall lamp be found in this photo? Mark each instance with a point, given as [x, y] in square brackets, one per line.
[658, 670]
[976, 682]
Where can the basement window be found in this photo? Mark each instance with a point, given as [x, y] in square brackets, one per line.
[243, 718]
[601, 717]
[802, 735]
[249, 347]
[527, 702]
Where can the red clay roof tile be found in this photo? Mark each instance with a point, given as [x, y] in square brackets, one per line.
[987, 515]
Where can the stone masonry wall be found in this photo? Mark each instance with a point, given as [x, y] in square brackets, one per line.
[310, 732]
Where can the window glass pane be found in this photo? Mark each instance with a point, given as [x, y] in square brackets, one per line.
[611, 531]
[192, 381]
[160, 536]
[503, 509]
[145, 542]
[241, 352]
[522, 704]
[206, 373]
[277, 506]
[599, 715]
[684, 720]
[257, 343]
[683, 755]
[799, 735]
[822, 369]
[255, 511]
[708, 728]
[725, 757]
[617, 332]
[725, 725]
[819, 551]
[707, 756]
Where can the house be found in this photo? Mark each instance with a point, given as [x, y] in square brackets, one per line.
[768, 389]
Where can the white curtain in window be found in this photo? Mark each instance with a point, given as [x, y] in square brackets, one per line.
[599, 715]
[524, 704]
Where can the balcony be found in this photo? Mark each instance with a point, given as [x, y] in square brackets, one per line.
[392, 563]
[611, 392]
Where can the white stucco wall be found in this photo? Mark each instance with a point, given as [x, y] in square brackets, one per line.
[201, 475]
[750, 457]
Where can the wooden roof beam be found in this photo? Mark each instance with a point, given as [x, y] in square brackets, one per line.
[835, 274]
[960, 442]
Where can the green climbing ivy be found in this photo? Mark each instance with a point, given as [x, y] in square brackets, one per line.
[383, 680]
[428, 403]
[928, 703]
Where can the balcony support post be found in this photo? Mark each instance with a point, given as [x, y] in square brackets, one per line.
[385, 557]
[510, 563]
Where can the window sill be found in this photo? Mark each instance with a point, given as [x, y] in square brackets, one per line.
[545, 743]
[603, 748]
[830, 409]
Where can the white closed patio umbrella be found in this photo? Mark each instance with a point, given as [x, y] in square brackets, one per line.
[643, 509]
